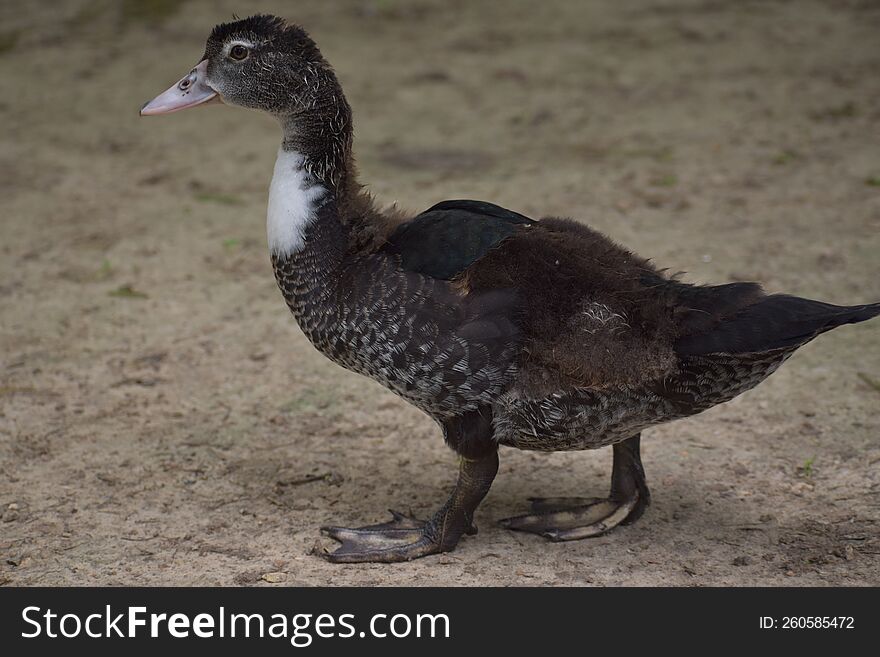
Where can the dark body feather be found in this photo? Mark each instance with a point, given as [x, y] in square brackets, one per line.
[558, 336]
[449, 237]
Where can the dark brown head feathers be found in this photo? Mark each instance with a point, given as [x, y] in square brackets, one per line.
[270, 31]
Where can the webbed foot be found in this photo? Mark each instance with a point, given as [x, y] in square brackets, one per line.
[574, 522]
[572, 518]
[401, 539]
[405, 538]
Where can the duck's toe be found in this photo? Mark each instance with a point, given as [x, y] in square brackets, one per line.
[550, 504]
[571, 518]
[401, 539]
[574, 522]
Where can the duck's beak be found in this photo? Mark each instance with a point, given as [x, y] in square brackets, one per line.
[192, 90]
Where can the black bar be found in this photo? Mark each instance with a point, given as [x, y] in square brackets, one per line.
[568, 620]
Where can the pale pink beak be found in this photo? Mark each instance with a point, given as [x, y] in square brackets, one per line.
[192, 90]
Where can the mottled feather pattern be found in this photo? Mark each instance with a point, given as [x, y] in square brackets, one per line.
[411, 333]
[592, 418]
[600, 318]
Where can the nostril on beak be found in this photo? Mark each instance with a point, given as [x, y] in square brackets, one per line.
[189, 91]
[187, 82]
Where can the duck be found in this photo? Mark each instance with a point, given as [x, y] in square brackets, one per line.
[507, 331]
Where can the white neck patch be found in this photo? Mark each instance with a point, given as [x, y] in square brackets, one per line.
[293, 201]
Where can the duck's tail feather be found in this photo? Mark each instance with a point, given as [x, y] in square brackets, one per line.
[774, 322]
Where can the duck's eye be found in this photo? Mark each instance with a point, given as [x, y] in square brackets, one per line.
[238, 51]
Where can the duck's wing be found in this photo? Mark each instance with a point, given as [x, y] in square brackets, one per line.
[447, 238]
[739, 318]
[734, 336]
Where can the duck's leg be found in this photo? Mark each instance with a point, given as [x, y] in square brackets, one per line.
[405, 539]
[568, 519]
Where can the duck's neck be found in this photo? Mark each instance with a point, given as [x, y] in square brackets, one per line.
[308, 238]
[315, 181]
[298, 199]
[313, 173]
[322, 135]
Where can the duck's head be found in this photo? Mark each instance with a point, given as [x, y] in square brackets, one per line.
[261, 63]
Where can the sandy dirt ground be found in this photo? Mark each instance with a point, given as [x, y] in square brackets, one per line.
[164, 421]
